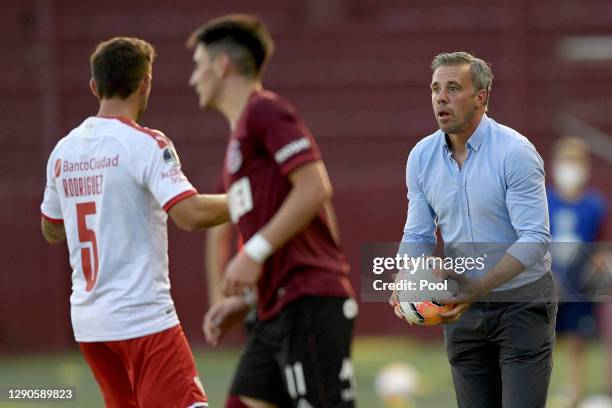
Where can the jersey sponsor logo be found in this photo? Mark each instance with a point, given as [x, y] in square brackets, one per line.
[175, 175]
[91, 164]
[291, 149]
[170, 156]
[234, 157]
[58, 167]
[239, 198]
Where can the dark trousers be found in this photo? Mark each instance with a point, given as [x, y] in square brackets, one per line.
[500, 350]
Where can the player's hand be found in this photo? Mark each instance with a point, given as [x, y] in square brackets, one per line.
[395, 305]
[397, 309]
[394, 302]
[455, 313]
[393, 299]
[242, 273]
[222, 316]
[469, 290]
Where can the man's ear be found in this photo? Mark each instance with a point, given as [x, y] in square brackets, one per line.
[221, 65]
[145, 84]
[93, 88]
[482, 97]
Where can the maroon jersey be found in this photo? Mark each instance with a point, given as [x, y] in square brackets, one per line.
[268, 143]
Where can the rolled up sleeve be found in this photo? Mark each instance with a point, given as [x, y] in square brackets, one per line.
[527, 204]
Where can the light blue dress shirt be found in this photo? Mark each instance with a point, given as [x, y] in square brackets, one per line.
[494, 204]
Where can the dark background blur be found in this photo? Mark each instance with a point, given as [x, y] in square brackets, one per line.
[358, 71]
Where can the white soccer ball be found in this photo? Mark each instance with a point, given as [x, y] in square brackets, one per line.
[417, 302]
[397, 380]
[596, 401]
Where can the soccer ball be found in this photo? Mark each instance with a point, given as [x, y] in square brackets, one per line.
[396, 384]
[416, 303]
[423, 313]
[596, 401]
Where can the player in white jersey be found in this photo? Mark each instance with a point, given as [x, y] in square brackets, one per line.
[110, 183]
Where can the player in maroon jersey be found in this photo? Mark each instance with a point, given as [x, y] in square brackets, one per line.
[298, 352]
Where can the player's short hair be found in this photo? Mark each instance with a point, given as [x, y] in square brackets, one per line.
[244, 38]
[119, 65]
[571, 147]
[482, 77]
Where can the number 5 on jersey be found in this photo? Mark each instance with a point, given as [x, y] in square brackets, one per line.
[87, 235]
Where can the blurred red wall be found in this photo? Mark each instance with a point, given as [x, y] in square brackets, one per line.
[358, 71]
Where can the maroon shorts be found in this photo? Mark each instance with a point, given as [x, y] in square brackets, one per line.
[157, 370]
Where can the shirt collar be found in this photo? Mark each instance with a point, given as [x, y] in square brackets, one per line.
[477, 137]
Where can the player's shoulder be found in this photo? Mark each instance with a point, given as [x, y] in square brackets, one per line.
[269, 105]
[142, 134]
[508, 137]
[430, 140]
[65, 141]
[512, 145]
[427, 144]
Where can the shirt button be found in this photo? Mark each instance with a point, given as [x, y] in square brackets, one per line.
[460, 187]
[281, 292]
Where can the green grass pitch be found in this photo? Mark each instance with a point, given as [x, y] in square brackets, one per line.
[216, 368]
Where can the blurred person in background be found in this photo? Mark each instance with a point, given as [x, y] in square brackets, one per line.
[111, 184]
[298, 352]
[482, 182]
[577, 217]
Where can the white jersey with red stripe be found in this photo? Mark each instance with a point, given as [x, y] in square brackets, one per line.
[111, 182]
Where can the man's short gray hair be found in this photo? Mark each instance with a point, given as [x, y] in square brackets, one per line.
[482, 77]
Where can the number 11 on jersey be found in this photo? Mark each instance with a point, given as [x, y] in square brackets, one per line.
[87, 235]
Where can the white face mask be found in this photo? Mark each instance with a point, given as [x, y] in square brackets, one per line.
[569, 177]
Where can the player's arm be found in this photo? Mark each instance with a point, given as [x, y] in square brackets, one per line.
[52, 224]
[528, 210]
[419, 236]
[216, 256]
[54, 233]
[200, 211]
[310, 190]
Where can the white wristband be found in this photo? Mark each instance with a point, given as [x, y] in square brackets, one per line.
[258, 248]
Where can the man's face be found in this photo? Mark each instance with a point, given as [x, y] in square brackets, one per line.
[454, 101]
[204, 79]
[570, 170]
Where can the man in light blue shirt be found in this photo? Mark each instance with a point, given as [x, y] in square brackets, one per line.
[482, 184]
